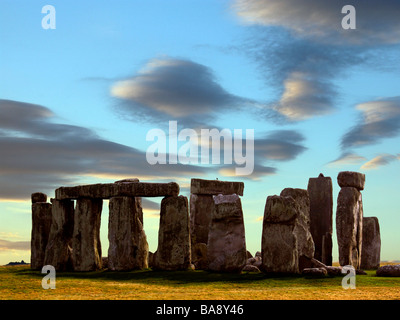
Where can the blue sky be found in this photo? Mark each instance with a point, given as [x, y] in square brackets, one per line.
[77, 102]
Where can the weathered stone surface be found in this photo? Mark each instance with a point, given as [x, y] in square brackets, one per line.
[104, 262]
[351, 179]
[38, 197]
[58, 249]
[332, 271]
[389, 271]
[315, 272]
[173, 252]
[226, 238]
[250, 268]
[128, 248]
[279, 242]
[201, 207]
[216, 187]
[371, 244]
[41, 224]
[86, 246]
[305, 243]
[199, 256]
[248, 254]
[287, 244]
[321, 213]
[349, 218]
[126, 189]
[150, 259]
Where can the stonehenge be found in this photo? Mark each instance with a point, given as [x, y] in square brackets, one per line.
[209, 232]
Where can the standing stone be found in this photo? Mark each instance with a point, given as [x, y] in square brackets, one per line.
[305, 243]
[327, 246]
[279, 241]
[128, 248]
[321, 212]
[201, 208]
[173, 252]
[86, 246]
[58, 249]
[349, 219]
[371, 244]
[226, 238]
[41, 224]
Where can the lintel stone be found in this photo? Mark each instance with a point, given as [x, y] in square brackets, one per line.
[127, 189]
[216, 187]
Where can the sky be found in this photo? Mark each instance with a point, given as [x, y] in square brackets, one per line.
[77, 102]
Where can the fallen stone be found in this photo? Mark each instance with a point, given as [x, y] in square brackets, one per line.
[86, 245]
[38, 197]
[126, 189]
[349, 218]
[173, 252]
[128, 248]
[41, 225]
[58, 249]
[226, 238]
[371, 244]
[389, 271]
[321, 213]
[315, 272]
[201, 208]
[248, 254]
[351, 179]
[216, 187]
[250, 268]
[258, 254]
[334, 271]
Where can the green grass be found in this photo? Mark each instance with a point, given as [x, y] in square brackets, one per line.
[22, 283]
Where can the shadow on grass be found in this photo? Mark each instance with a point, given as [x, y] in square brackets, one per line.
[177, 277]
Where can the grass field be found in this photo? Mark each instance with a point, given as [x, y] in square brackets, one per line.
[21, 283]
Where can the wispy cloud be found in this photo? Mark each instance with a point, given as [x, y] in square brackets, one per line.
[377, 23]
[379, 161]
[379, 119]
[6, 245]
[346, 159]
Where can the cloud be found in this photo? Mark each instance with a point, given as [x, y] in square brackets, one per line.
[376, 23]
[175, 89]
[347, 158]
[39, 155]
[258, 172]
[378, 161]
[301, 72]
[279, 145]
[380, 119]
[14, 245]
